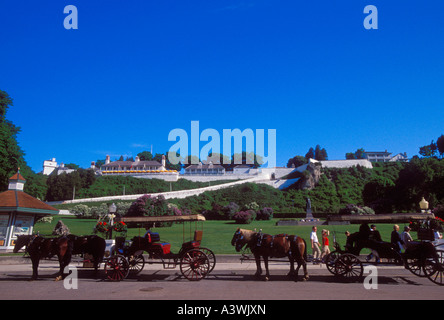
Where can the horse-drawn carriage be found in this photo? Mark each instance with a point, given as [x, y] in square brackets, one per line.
[195, 261]
[423, 258]
[124, 256]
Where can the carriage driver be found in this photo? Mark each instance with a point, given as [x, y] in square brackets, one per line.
[148, 229]
[375, 236]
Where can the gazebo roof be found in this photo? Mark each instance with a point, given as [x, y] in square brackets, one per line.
[16, 200]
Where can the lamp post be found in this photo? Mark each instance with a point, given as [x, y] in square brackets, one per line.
[111, 215]
[424, 205]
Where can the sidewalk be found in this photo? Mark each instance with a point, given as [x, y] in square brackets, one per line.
[223, 262]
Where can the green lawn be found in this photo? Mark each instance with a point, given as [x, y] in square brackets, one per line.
[217, 234]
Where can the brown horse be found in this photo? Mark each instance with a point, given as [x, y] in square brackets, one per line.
[278, 246]
[41, 248]
[92, 244]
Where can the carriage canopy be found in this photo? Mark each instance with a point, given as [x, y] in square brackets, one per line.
[191, 217]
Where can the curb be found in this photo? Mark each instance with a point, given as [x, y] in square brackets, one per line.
[20, 259]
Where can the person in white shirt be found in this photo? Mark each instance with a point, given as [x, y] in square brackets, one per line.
[315, 244]
[407, 238]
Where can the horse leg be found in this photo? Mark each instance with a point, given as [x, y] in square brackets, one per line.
[291, 259]
[64, 256]
[304, 265]
[35, 266]
[267, 272]
[96, 261]
[258, 265]
[96, 265]
[302, 259]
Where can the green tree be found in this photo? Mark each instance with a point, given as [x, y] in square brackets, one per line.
[62, 187]
[296, 161]
[72, 166]
[440, 145]
[358, 154]
[145, 156]
[428, 151]
[377, 194]
[11, 155]
[350, 156]
[420, 178]
[310, 154]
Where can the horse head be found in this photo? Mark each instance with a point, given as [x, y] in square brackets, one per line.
[240, 239]
[22, 241]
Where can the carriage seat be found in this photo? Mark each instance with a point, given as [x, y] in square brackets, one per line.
[195, 243]
[152, 237]
[426, 234]
[163, 247]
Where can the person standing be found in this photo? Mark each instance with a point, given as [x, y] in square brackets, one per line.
[315, 245]
[325, 243]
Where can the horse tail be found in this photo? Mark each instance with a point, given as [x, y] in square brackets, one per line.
[305, 249]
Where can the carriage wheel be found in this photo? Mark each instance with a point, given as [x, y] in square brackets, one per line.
[136, 263]
[330, 261]
[211, 257]
[349, 267]
[415, 266]
[434, 268]
[194, 265]
[116, 268]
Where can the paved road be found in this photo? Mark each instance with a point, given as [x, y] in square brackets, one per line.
[228, 281]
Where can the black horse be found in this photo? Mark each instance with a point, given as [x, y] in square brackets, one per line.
[93, 245]
[39, 248]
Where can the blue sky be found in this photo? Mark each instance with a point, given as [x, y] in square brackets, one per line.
[135, 70]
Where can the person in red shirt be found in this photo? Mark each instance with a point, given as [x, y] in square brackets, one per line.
[325, 243]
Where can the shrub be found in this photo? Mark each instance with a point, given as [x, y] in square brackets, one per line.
[230, 210]
[438, 211]
[242, 217]
[99, 211]
[265, 214]
[81, 211]
[356, 210]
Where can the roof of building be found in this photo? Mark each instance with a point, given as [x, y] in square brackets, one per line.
[17, 176]
[243, 166]
[17, 200]
[204, 166]
[378, 152]
[132, 163]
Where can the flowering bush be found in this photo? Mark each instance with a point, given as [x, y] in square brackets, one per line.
[438, 211]
[243, 217]
[101, 227]
[231, 209]
[434, 224]
[119, 226]
[356, 210]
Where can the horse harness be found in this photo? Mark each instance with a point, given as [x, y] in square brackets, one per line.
[261, 237]
[40, 244]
